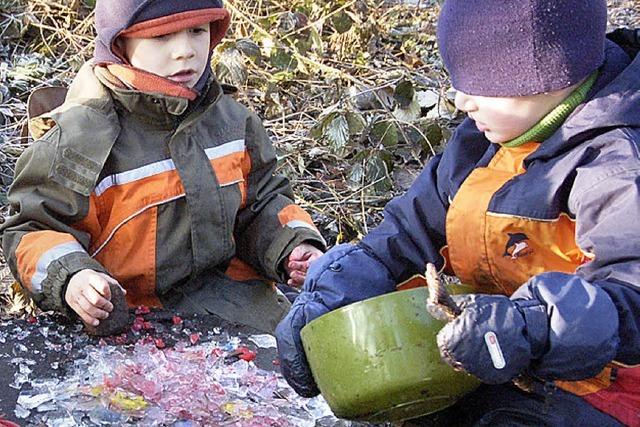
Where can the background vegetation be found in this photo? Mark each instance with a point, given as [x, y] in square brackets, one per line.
[352, 91]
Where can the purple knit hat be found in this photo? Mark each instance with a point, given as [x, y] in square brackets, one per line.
[507, 48]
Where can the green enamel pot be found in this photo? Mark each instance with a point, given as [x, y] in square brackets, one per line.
[377, 360]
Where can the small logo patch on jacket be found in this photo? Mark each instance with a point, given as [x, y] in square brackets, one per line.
[517, 246]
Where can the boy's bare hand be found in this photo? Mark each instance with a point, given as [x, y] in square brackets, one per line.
[298, 263]
[88, 294]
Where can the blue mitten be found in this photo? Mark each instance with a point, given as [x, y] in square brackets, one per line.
[555, 326]
[293, 362]
[344, 275]
[494, 338]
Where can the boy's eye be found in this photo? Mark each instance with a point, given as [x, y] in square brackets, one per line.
[200, 30]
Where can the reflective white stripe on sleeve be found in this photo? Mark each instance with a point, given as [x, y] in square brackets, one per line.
[236, 146]
[296, 223]
[134, 175]
[156, 168]
[47, 258]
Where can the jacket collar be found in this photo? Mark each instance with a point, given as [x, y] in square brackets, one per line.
[612, 102]
[156, 109]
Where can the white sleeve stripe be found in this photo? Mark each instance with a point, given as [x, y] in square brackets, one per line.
[134, 175]
[126, 177]
[236, 146]
[48, 257]
[296, 223]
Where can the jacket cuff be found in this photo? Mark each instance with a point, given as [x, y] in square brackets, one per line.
[55, 284]
[537, 325]
[583, 324]
[284, 244]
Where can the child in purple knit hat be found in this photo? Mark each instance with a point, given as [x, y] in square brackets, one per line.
[534, 204]
[151, 177]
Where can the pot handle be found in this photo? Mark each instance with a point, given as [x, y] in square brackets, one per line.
[439, 303]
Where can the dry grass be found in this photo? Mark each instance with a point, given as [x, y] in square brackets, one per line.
[348, 71]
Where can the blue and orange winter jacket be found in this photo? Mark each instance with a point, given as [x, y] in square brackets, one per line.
[500, 218]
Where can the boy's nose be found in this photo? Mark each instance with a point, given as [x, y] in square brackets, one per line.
[464, 102]
[183, 46]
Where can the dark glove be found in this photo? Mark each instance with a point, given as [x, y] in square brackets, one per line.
[494, 338]
[344, 275]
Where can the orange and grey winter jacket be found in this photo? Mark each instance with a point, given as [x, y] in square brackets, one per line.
[151, 189]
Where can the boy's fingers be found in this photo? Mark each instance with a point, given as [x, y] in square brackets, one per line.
[110, 279]
[296, 278]
[294, 284]
[298, 265]
[304, 256]
[114, 281]
[296, 253]
[101, 285]
[314, 256]
[92, 310]
[95, 298]
[302, 253]
[98, 301]
[86, 317]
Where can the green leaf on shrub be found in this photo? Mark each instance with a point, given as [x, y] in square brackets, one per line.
[433, 132]
[283, 60]
[408, 114]
[356, 122]
[316, 40]
[384, 132]
[356, 175]
[250, 49]
[404, 93]
[231, 67]
[371, 170]
[336, 132]
[342, 22]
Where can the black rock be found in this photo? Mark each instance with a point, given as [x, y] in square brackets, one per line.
[119, 318]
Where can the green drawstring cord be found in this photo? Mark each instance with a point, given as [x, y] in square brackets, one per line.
[552, 121]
